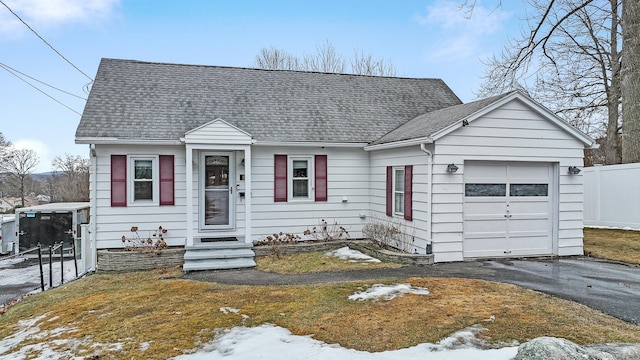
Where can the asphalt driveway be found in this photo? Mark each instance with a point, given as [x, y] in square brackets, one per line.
[606, 286]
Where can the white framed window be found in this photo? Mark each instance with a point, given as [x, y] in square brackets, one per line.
[144, 180]
[300, 180]
[398, 191]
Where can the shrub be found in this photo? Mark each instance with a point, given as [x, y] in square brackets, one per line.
[390, 235]
[327, 232]
[153, 244]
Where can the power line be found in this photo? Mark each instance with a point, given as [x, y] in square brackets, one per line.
[45, 41]
[41, 82]
[35, 87]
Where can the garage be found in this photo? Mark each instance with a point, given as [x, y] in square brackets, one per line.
[509, 208]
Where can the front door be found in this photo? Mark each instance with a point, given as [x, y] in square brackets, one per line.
[217, 191]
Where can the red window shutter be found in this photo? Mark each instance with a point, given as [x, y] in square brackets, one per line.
[389, 191]
[280, 178]
[166, 180]
[408, 192]
[321, 177]
[118, 180]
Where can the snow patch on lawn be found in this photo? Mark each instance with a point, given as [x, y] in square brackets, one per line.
[227, 310]
[346, 253]
[29, 329]
[266, 341]
[273, 342]
[388, 292]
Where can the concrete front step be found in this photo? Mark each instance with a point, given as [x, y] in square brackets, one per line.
[218, 264]
[218, 256]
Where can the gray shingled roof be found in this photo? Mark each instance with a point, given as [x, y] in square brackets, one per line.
[134, 99]
[427, 124]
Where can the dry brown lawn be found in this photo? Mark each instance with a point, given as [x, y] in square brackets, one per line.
[313, 262]
[618, 245]
[173, 315]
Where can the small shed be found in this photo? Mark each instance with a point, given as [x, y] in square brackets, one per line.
[50, 223]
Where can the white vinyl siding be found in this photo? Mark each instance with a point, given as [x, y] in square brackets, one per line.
[218, 132]
[348, 192]
[514, 133]
[398, 158]
[113, 222]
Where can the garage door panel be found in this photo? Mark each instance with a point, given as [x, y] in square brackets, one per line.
[497, 225]
[531, 234]
[528, 172]
[485, 171]
[537, 245]
[489, 246]
[516, 223]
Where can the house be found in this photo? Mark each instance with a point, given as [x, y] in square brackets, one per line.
[225, 156]
[5, 206]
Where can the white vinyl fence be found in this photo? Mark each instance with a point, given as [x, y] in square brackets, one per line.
[612, 196]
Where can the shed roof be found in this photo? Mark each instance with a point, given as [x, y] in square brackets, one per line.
[53, 207]
[158, 101]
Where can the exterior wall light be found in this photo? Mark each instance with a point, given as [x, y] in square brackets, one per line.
[574, 170]
[452, 168]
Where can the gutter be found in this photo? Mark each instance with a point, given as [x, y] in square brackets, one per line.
[424, 149]
[93, 228]
[396, 144]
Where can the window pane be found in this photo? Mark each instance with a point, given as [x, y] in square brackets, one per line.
[143, 190]
[143, 169]
[529, 190]
[399, 180]
[300, 188]
[399, 203]
[216, 208]
[300, 168]
[485, 189]
[216, 172]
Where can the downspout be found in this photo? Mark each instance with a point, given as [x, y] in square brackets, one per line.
[93, 204]
[423, 147]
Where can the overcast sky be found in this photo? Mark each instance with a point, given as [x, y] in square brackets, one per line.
[423, 39]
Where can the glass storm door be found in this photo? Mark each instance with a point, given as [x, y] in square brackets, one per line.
[217, 212]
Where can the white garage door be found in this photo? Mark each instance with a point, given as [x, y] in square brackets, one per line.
[508, 209]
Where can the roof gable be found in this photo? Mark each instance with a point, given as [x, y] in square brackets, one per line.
[217, 131]
[434, 125]
[155, 101]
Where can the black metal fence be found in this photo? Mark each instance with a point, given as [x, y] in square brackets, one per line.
[37, 268]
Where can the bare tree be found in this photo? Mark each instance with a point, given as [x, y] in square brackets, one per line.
[366, 64]
[569, 59]
[19, 167]
[276, 59]
[4, 149]
[325, 59]
[73, 183]
[624, 71]
[631, 81]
